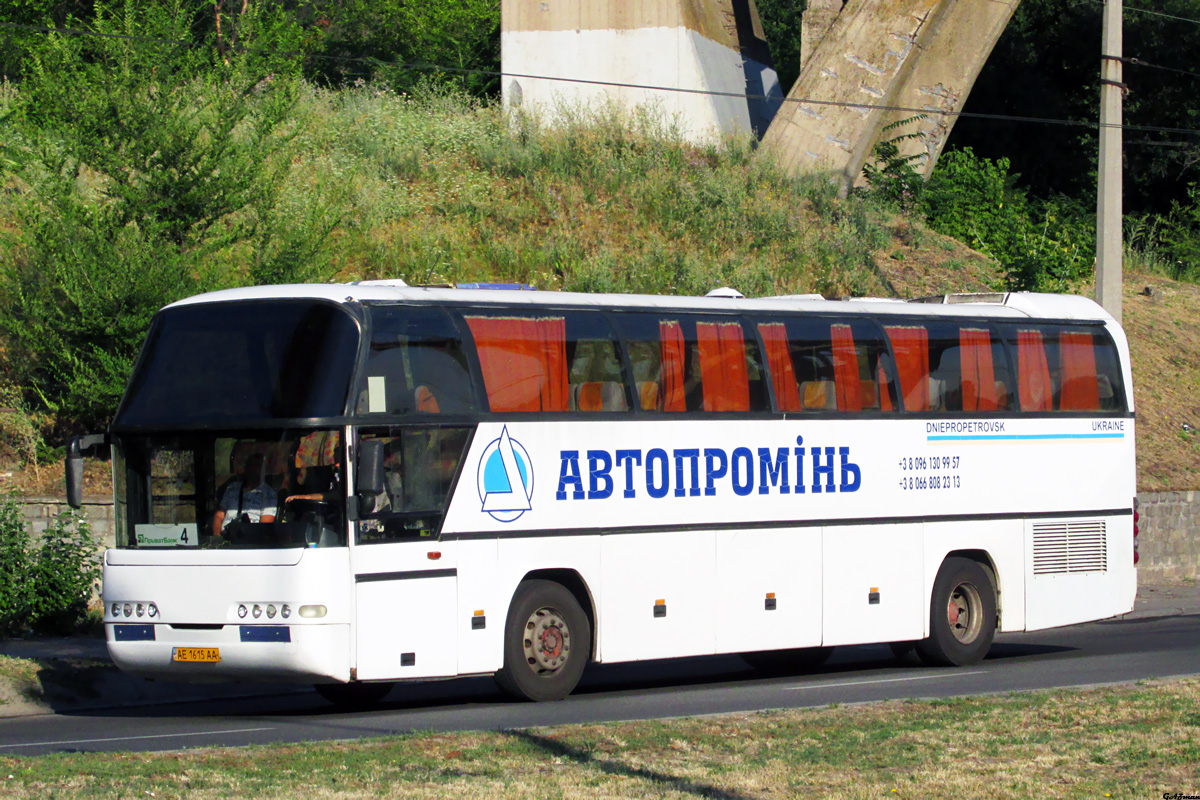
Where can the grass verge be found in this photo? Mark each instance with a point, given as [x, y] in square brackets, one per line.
[1128, 741]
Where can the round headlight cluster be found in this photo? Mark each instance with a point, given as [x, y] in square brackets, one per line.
[258, 609]
[134, 609]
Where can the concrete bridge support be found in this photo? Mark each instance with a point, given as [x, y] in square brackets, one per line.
[587, 49]
[909, 54]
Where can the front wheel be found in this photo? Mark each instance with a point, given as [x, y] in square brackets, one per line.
[547, 643]
[962, 615]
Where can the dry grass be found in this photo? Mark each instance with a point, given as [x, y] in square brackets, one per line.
[1130, 741]
[1164, 340]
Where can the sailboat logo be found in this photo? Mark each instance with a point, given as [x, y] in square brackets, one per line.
[505, 478]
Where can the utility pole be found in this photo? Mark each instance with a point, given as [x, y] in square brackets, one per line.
[1108, 200]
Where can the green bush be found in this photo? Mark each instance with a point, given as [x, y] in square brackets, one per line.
[45, 587]
[16, 569]
[1179, 237]
[1044, 245]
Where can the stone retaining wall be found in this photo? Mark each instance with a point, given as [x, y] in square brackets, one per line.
[41, 511]
[1169, 543]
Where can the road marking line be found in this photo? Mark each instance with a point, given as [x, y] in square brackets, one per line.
[882, 680]
[131, 738]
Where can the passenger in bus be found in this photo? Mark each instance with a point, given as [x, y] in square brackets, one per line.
[316, 464]
[242, 504]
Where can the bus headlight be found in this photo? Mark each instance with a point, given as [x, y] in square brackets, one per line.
[243, 611]
[313, 612]
[286, 611]
[257, 611]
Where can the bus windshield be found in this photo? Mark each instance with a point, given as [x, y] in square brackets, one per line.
[240, 363]
[242, 489]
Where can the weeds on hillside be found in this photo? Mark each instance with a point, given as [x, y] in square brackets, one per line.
[445, 188]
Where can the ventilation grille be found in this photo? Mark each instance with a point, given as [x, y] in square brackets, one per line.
[1067, 547]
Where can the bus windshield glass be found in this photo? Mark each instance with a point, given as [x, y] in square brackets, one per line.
[239, 363]
[240, 489]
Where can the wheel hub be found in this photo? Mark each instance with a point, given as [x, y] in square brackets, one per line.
[547, 641]
[964, 611]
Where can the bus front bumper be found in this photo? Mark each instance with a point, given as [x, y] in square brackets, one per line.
[304, 653]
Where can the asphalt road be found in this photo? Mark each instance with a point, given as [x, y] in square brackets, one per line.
[1113, 651]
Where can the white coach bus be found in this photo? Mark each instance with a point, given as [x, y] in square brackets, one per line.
[352, 485]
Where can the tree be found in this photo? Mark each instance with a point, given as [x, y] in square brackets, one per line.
[148, 154]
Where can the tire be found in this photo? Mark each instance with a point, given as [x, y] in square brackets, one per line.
[547, 643]
[962, 615]
[355, 696]
[780, 662]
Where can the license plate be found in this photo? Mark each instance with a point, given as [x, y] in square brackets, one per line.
[207, 655]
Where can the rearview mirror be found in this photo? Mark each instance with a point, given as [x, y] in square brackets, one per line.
[76, 447]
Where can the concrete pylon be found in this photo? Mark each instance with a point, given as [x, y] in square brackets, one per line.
[556, 52]
[910, 54]
[818, 18]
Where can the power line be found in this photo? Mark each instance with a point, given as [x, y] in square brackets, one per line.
[420, 66]
[1150, 13]
[1137, 62]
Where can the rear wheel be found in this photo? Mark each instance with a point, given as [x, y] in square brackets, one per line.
[785, 661]
[962, 615]
[547, 643]
[353, 695]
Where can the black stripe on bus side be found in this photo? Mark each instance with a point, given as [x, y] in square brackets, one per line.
[775, 524]
[371, 577]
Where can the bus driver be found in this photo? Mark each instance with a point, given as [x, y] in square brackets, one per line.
[249, 505]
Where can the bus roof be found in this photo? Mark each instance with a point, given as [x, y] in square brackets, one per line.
[999, 305]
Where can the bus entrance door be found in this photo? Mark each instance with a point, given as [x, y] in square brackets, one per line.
[406, 604]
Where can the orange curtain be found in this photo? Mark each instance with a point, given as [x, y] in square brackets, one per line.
[978, 373]
[671, 334]
[1033, 373]
[524, 362]
[846, 378]
[783, 374]
[910, 343]
[1080, 388]
[723, 366]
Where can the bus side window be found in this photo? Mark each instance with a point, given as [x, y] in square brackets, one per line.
[818, 364]
[419, 465]
[1064, 368]
[595, 377]
[983, 382]
[523, 360]
[664, 356]
[1110, 387]
[415, 365]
